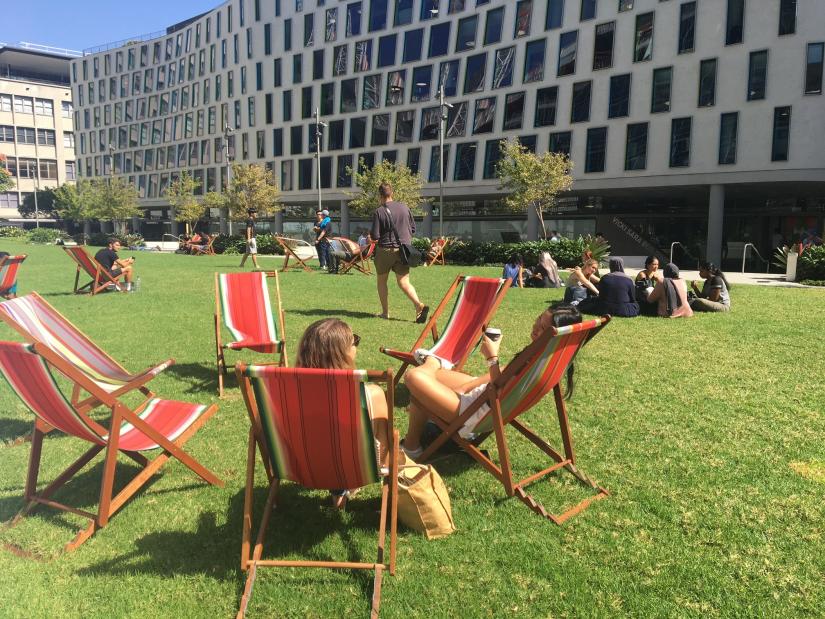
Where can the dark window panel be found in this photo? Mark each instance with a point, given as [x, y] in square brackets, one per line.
[412, 45]
[596, 149]
[466, 37]
[503, 69]
[362, 59]
[787, 17]
[403, 12]
[707, 83]
[492, 155]
[434, 159]
[327, 99]
[555, 14]
[660, 97]
[635, 157]
[568, 42]
[680, 130]
[372, 92]
[643, 42]
[465, 162]
[378, 15]
[404, 122]
[529, 142]
[380, 130]
[335, 140]
[296, 138]
[728, 129]
[619, 104]
[813, 69]
[781, 133]
[513, 111]
[305, 174]
[386, 50]
[422, 83]
[534, 61]
[588, 10]
[353, 19]
[429, 123]
[493, 25]
[757, 75]
[396, 82]
[603, 46]
[475, 71]
[735, 22]
[357, 132]
[485, 113]
[687, 27]
[561, 143]
[414, 160]
[326, 172]
[448, 78]
[580, 108]
[318, 64]
[348, 96]
[344, 175]
[457, 120]
[439, 39]
[429, 9]
[546, 102]
[366, 161]
[524, 14]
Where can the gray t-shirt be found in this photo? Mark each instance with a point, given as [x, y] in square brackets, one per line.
[716, 282]
[402, 219]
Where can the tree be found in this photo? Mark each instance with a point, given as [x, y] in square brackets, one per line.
[181, 195]
[71, 201]
[533, 180]
[253, 186]
[45, 204]
[6, 181]
[406, 186]
[113, 200]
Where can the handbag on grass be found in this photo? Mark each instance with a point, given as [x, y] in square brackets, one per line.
[423, 501]
[409, 254]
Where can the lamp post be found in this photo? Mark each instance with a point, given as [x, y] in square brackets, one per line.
[227, 131]
[36, 172]
[318, 124]
[443, 106]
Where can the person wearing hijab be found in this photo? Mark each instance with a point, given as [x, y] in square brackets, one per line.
[617, 292]
[671, 294]
[546, 273]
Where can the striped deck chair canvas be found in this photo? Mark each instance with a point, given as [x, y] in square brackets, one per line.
[359, 262]
[243, 306]
[156, 424]
[318, 445]
[476, 303]
[100, 277]
[9, 265]
[38, 322]
[524, 382]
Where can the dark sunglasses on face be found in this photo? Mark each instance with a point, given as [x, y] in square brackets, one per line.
[356, 339]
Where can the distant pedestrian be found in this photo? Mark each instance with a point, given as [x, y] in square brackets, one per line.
[251, 241]
[322, 233]
[555, 237]
[388, 216]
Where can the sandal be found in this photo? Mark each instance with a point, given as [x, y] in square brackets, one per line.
[421, 317]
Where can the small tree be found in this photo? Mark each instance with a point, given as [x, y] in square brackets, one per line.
[253, 186]
[181, 195]
[45, 204]
[71, 201]
[6, 181]
[533, 180]
[113, 200]
[406, 186]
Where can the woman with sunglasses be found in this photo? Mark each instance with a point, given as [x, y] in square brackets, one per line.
[330, 344]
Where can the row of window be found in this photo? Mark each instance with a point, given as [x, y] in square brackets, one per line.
[24, 167]
[30, 135]
[33, 105]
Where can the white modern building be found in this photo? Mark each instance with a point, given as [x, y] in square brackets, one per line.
[36, 122]
[701, 122]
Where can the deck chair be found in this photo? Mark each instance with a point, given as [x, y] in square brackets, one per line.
[40, 323]
[158, 424]
[289, 247]
[536, 371]
[339, 452]
[435, 255]
[205, 250]
[9, 266]
[477, 302]
[242, 304]
[100, 277]
[359, 262]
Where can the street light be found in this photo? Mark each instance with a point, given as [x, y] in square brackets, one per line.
[318, 124]
[36, 173]
[227, 131]
[442, 121]
[111, 162]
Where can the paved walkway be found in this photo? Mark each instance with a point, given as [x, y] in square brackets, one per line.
[754, 279]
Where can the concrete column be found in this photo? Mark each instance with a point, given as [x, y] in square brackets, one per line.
[344, 218]
[427, 223]
[533, 224]
[87, 228]
[135, 225]
[173, 224]
[279, 222]
[224, 228]
[716, 217]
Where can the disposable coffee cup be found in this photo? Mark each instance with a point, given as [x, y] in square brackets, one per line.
[493, 333]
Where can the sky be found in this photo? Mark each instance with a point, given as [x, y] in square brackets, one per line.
[80, 24]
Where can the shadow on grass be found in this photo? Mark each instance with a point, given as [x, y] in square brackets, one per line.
[341, 312]
[199, 377]
[14, 432]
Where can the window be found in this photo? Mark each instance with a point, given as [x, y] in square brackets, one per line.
[707, 83]
[344, 177]
[439, 39]
[412, 45]
[378, 15]
[23, 105]
[287, 40]
[546, 102]
[561, 143]
[348, 96]
[580, 107]
[660, 98]
[404, 122]
[328, 99]
[534, 61]
[429, 9]
[422, 78]
[466, 37]
[403, 12]
[45, 107]
[71, 175]
[503, 69]
[596, 148]
[813, 69]
[372, 92]
[781, 133]
[434, 160]
[735, 23]
[386, 50]
[643, 46]
[492, 155]
[7, 133]
[635, 154]
[414, 160]
[318, 64]
[513, 111]
[619, 105]
[363, 56]
[474, 76]
[335, 139]
[625, 5]
[457, 120]
[429, 123]
[787, 17]
[588, 10]
[396, 81]
[687, 27]
[66, 109]
[380, 129]
[357, 132]
[448, 77]
[25, 135]
[305, 174]
[567, 53]
[309, 30]
[45, 137]
[5, 103]
[728, 129]
[524, 11]
[485, 113]
[465, 162]
[680, 142]
[603, 46]
[330, 25]
[456, 6]
[757, 75]
[353, 19]
[339, 64]
[48, 168]
[493, 25]
[555, 14]
[297, 70]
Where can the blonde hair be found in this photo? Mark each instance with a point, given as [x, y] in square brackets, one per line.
[591, 262]
[325, 344]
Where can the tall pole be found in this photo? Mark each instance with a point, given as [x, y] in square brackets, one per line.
[111, 173]
[442, 122]
[318, 154]
[227, 131]
[36, 179]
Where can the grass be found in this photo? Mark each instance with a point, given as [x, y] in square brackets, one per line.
[708, 433]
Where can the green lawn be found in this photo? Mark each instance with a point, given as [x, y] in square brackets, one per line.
[709, 434]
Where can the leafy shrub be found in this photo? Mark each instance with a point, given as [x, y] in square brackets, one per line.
[13, 232]
[566, 252]
[45, 235]
[813, 282]
[236, 244]
[99, 239]
[811, 264]
[132, 240]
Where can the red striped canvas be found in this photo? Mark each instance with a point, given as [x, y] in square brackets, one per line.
[9, 266]
[247, 312]
[86, 262]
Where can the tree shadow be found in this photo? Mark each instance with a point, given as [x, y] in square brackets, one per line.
[14, 431]
[197, 376]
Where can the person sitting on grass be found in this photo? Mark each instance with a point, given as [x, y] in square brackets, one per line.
[330, 344]
[546, 273]
[514, 271]
[670, 295]
[435, 391]
[646, 281]
[617, 294]
[715, 293]
[581, 285]
[113, 264]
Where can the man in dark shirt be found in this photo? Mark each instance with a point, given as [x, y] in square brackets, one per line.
[251, 241]
[387, 253]
[113, 264]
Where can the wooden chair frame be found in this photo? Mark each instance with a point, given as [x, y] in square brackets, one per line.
[251, 556]
[208, 250]
[290, 253]
[5, 294]
[504, 472]
[219, 347]
[436, 253]
[359, 261]
[100, 279]
[107, 503]
[431, 328]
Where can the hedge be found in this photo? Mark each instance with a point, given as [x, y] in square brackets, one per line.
[566, 252]
[811, 264]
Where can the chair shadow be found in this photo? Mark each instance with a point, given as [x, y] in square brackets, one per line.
[197, 376]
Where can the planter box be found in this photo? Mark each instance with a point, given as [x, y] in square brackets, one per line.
[790, 269]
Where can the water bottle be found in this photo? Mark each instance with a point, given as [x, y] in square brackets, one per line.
[137, 285]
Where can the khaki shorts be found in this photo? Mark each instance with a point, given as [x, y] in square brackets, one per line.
[389, 259]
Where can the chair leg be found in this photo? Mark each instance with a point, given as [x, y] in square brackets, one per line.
[259, 548]
[246, 533]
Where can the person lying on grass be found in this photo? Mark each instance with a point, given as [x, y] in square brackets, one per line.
[448, 393]
[330, 344]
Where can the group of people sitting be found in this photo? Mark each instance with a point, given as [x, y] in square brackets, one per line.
[197, 242]
[544, 275]
[653, 292]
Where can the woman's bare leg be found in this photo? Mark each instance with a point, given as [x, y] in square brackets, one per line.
[429, 397]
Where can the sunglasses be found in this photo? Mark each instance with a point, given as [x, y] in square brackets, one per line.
[356, 339]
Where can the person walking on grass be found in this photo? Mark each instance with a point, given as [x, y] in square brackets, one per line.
[391, 214]
[251, 242]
